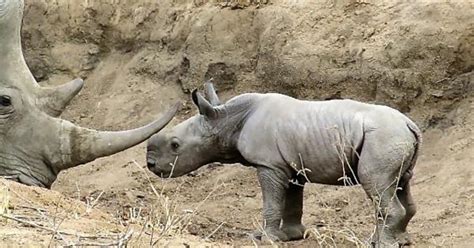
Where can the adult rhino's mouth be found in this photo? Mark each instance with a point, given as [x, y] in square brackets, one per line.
[15, 169]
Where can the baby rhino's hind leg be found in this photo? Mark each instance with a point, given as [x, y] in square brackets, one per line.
[406, 199]
[389, 214]
[381, 168]
[293, 212]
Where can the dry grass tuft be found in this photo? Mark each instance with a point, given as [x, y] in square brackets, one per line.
[330, 237]
[165, 219]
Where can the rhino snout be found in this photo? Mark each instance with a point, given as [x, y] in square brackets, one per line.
[150, 163]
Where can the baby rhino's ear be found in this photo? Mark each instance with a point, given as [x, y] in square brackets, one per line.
[211, 93]
[205, 108]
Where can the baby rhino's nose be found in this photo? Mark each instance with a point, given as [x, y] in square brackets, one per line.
[150, 163]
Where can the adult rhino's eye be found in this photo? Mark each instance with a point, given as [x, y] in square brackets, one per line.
[5, 101]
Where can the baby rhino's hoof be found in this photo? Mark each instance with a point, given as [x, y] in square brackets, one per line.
[385, 243]
[270, 235]
[404, 239]
[294, 232]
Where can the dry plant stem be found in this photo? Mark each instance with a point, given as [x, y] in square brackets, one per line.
[18, 195]
[303, 171]
[322, 239]
[171, 219]
[32, 208]
[173, 165]
[303, 168]
[91, 205]
[56, 223]
[159, 195]
[25, 222]
[147, 177]
[152, 228]
[254, 243]
[200, 204]
[341, 145]
[215, 230]
[170, 222]
[56, 227]
[325, 240]
[55, 230]
[40, 211]
[261, 228]
[122, 241]
[78, 191]
[424, 180]
[142, 230]
[34, 224]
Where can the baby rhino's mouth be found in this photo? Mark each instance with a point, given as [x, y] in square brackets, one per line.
[162, 173]
[159, 171]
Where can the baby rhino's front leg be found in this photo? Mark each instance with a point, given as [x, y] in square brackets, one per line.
[273, 184]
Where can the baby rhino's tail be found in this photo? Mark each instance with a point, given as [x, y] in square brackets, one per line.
[419, 139]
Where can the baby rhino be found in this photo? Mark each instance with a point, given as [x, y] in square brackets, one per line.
[292, 142]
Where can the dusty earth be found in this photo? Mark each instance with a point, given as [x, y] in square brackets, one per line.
[140, 56]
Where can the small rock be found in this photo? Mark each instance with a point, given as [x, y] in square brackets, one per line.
[369, 32]
[437, 93]
[94, 50]
[321, 223]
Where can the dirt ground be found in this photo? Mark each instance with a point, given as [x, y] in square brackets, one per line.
[138, 57]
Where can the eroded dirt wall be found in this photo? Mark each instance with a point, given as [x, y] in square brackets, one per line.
[414, 55]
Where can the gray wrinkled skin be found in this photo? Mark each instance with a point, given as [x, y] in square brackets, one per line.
[34, 145]
[291, 142]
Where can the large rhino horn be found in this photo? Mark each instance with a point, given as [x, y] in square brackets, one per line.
[14, 70]
[82, 145]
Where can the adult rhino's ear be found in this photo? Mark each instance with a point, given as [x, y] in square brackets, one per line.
[205, 108]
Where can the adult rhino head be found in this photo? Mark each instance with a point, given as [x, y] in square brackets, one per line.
[35, 147]
[13, 69]
[204, 138]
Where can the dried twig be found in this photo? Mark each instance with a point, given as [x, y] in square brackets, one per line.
[424, 180]
[215, 230]
[40, 226]
[121, 242]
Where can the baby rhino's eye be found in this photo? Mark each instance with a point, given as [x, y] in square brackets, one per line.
[5, 101]
[175, 145]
